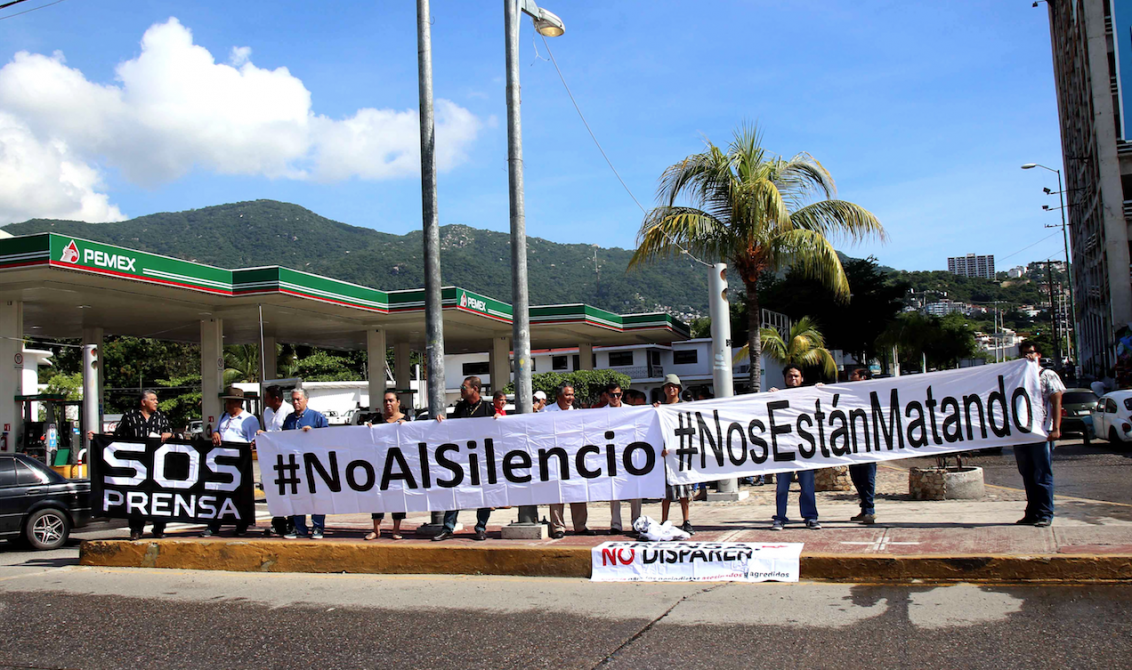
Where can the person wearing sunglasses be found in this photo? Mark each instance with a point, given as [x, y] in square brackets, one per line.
[612, 397]
[1035, 460]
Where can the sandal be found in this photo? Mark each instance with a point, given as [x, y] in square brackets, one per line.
[372, 536]
[396, 536]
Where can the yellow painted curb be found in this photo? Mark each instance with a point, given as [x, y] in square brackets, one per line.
[550, 561]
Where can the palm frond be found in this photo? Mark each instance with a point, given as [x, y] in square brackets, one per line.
[814, 256]
[839, 220]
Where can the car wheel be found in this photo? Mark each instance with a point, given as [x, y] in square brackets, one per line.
[47, 528]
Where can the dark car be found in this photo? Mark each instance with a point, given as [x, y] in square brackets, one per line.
[39, 505]
[1076, 408]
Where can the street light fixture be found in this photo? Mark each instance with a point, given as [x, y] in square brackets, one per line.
[1065, 240]
[547, 23]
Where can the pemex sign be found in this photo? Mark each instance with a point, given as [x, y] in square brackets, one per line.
[97, 258]
[104, 259]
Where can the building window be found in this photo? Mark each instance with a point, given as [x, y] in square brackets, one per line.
[577, 362]
[558, 363]
[476, 369]
[654, 357]
[620, 359]
[685, 357]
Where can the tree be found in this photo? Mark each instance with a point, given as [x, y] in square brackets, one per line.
[759, 212]
[588, 384]
[241, 364]
[805, 348]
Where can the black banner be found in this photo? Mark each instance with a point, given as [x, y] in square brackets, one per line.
[175, 480]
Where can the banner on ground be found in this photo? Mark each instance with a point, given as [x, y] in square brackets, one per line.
[175, 480]
[842, 424]
[533, 459]
[695, 562]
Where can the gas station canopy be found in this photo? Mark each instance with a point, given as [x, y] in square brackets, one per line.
[68, 284]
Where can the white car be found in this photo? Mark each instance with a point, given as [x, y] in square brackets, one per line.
[1112, 417]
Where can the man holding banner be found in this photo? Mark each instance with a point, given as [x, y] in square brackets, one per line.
[471, 405]
[304, 419]
[807, 501]
[864, 475]
[236, 426]
[144, 421]
[1035, 460]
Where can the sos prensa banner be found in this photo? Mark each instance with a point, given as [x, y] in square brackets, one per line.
[175, 480]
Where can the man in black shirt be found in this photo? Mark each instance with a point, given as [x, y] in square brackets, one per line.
[145, 421]
[470, 406]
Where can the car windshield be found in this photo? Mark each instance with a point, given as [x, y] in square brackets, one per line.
[1078, 398]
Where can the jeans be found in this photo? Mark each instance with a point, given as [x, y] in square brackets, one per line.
[482, 515]
[317, 520]
[864, 477]
[1035, 464]
[807, 503]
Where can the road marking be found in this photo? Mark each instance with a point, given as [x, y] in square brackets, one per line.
[881, 543]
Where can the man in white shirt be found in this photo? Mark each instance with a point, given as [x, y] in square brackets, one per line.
[539, 402]
[275, 412]
[564, 402]
[611, 397]
[235, 426]
[1035, 461]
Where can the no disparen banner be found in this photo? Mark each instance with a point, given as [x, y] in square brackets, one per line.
[842, 424]
[695, 562]
[533, 459]
[175, 480]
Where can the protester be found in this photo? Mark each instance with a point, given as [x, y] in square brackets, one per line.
[635, 398]
[275, 412]
[681, 492]
[579, 513]
[612, 397]
[391, 413]
[792, 378]
[499, 403]
[540, 401]
[471, 405]
[1035, 461]
[139, 423]
[235, 426]
[864, 475]
[304, 419]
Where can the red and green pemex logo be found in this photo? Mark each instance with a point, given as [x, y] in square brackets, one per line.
[70, 253]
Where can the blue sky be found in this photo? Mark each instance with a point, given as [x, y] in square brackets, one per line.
[923, 112]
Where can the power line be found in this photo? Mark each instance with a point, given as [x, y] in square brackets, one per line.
[606, 156]
[1029, 245]
[26, 11]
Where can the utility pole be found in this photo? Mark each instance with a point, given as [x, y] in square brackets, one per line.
[434, 316]
[719, 310]
[1053, 314]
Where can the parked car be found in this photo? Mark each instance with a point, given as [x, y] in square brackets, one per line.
[1112, 416]
[38, 505]
[1077, 406]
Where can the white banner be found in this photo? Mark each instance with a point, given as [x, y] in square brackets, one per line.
[695, 562]
[581, 456]
[841, 424]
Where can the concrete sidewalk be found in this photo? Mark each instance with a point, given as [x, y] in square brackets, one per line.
[930, 540]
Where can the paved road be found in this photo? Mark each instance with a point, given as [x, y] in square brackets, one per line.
[1101, 471]
[89, 618]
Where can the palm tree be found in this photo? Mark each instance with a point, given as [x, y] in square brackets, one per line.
[805, 348]
[241, 364]
[758, 211]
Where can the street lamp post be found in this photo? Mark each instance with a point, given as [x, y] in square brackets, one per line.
[549, 25]
[1065, 239]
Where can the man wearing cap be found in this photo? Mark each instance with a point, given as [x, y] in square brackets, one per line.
[680, 492]
[539, 402]
[579, 514]
[235, 426]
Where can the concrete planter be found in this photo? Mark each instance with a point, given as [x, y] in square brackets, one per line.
[832, 479]
[964, 483]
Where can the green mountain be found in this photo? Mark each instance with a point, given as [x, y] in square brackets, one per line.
[266, 232]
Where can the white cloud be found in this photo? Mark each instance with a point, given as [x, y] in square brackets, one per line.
[174, 109]
[42, 180]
